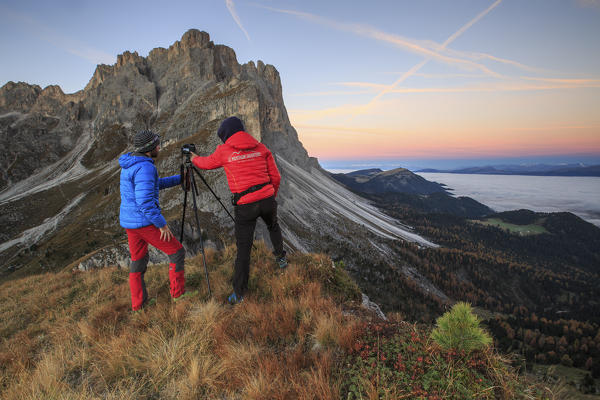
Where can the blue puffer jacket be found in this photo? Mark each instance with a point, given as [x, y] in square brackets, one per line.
[139, 191]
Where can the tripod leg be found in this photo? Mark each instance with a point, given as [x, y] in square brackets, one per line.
[183, 215]
[213, 193]
[193, 181]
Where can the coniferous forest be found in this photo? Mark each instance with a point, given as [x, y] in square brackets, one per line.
[538, 293]
[542, 289]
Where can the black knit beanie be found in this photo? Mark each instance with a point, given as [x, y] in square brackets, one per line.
[228, 127]
[146, 141]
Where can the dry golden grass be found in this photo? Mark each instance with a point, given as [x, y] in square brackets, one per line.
[71, 335]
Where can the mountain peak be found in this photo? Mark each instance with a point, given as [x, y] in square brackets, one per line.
[397, 171]
[365, 172]
[399, 180]
[195, 38]
[18, 96]
[192, 39]
[128, 58]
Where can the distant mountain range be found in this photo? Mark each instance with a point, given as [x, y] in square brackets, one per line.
[400, 186]
[536, 170]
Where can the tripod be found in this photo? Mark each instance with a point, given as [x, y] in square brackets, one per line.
[188, 182]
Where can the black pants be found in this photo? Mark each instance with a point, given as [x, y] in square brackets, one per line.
[245, 222]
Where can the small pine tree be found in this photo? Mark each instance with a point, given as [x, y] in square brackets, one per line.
[566, 361]
[459, 329]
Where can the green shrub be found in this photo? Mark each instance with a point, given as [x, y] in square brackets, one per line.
[459, 329]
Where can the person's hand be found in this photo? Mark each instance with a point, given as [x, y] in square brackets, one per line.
[165, 233]
[193, 155]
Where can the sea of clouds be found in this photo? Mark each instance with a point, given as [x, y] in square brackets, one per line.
[579, 195]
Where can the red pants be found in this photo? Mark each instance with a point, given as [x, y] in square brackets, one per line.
[138, 247]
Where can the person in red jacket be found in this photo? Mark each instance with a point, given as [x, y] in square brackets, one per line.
[254, 180]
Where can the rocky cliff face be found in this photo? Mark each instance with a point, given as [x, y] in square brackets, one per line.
[59, 189]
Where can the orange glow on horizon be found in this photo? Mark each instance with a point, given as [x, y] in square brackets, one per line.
[494, 124]
[348, 143]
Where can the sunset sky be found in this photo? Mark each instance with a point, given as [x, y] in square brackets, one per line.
[404, 82]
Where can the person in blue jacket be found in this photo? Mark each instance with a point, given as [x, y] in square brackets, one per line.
[141, 216]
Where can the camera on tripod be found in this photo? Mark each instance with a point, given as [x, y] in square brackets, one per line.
[188, 183]
[188, 149]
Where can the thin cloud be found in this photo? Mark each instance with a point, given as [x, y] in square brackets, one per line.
[308, 115]
[63, 42]
[376, 86]
[435, 53]
[446, 76]
[331, 93]
[556, 84]
[477, 56]
[568, 81]
[589, 3]
[425, 48]
[435, 75]
[512, 86]
[556, 128]
[417, 67]
[345, 129]
[231, 7]
[515, 87]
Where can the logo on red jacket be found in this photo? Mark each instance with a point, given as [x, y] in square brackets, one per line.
[240, 156]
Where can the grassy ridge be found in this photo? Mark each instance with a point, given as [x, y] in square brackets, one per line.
[300, 334]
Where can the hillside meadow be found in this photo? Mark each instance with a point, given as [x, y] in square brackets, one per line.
[300, 333]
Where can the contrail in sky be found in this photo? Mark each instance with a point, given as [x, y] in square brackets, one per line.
[469, 24]
[236, 18]
[426, 48]
[417, 67]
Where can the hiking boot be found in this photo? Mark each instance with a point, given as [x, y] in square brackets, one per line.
[281, 261]
[186, 295]
[234, 299]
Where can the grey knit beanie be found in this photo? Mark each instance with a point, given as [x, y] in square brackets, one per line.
[146, 141]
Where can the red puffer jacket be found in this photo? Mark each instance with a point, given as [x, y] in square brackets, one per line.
[247, 163]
